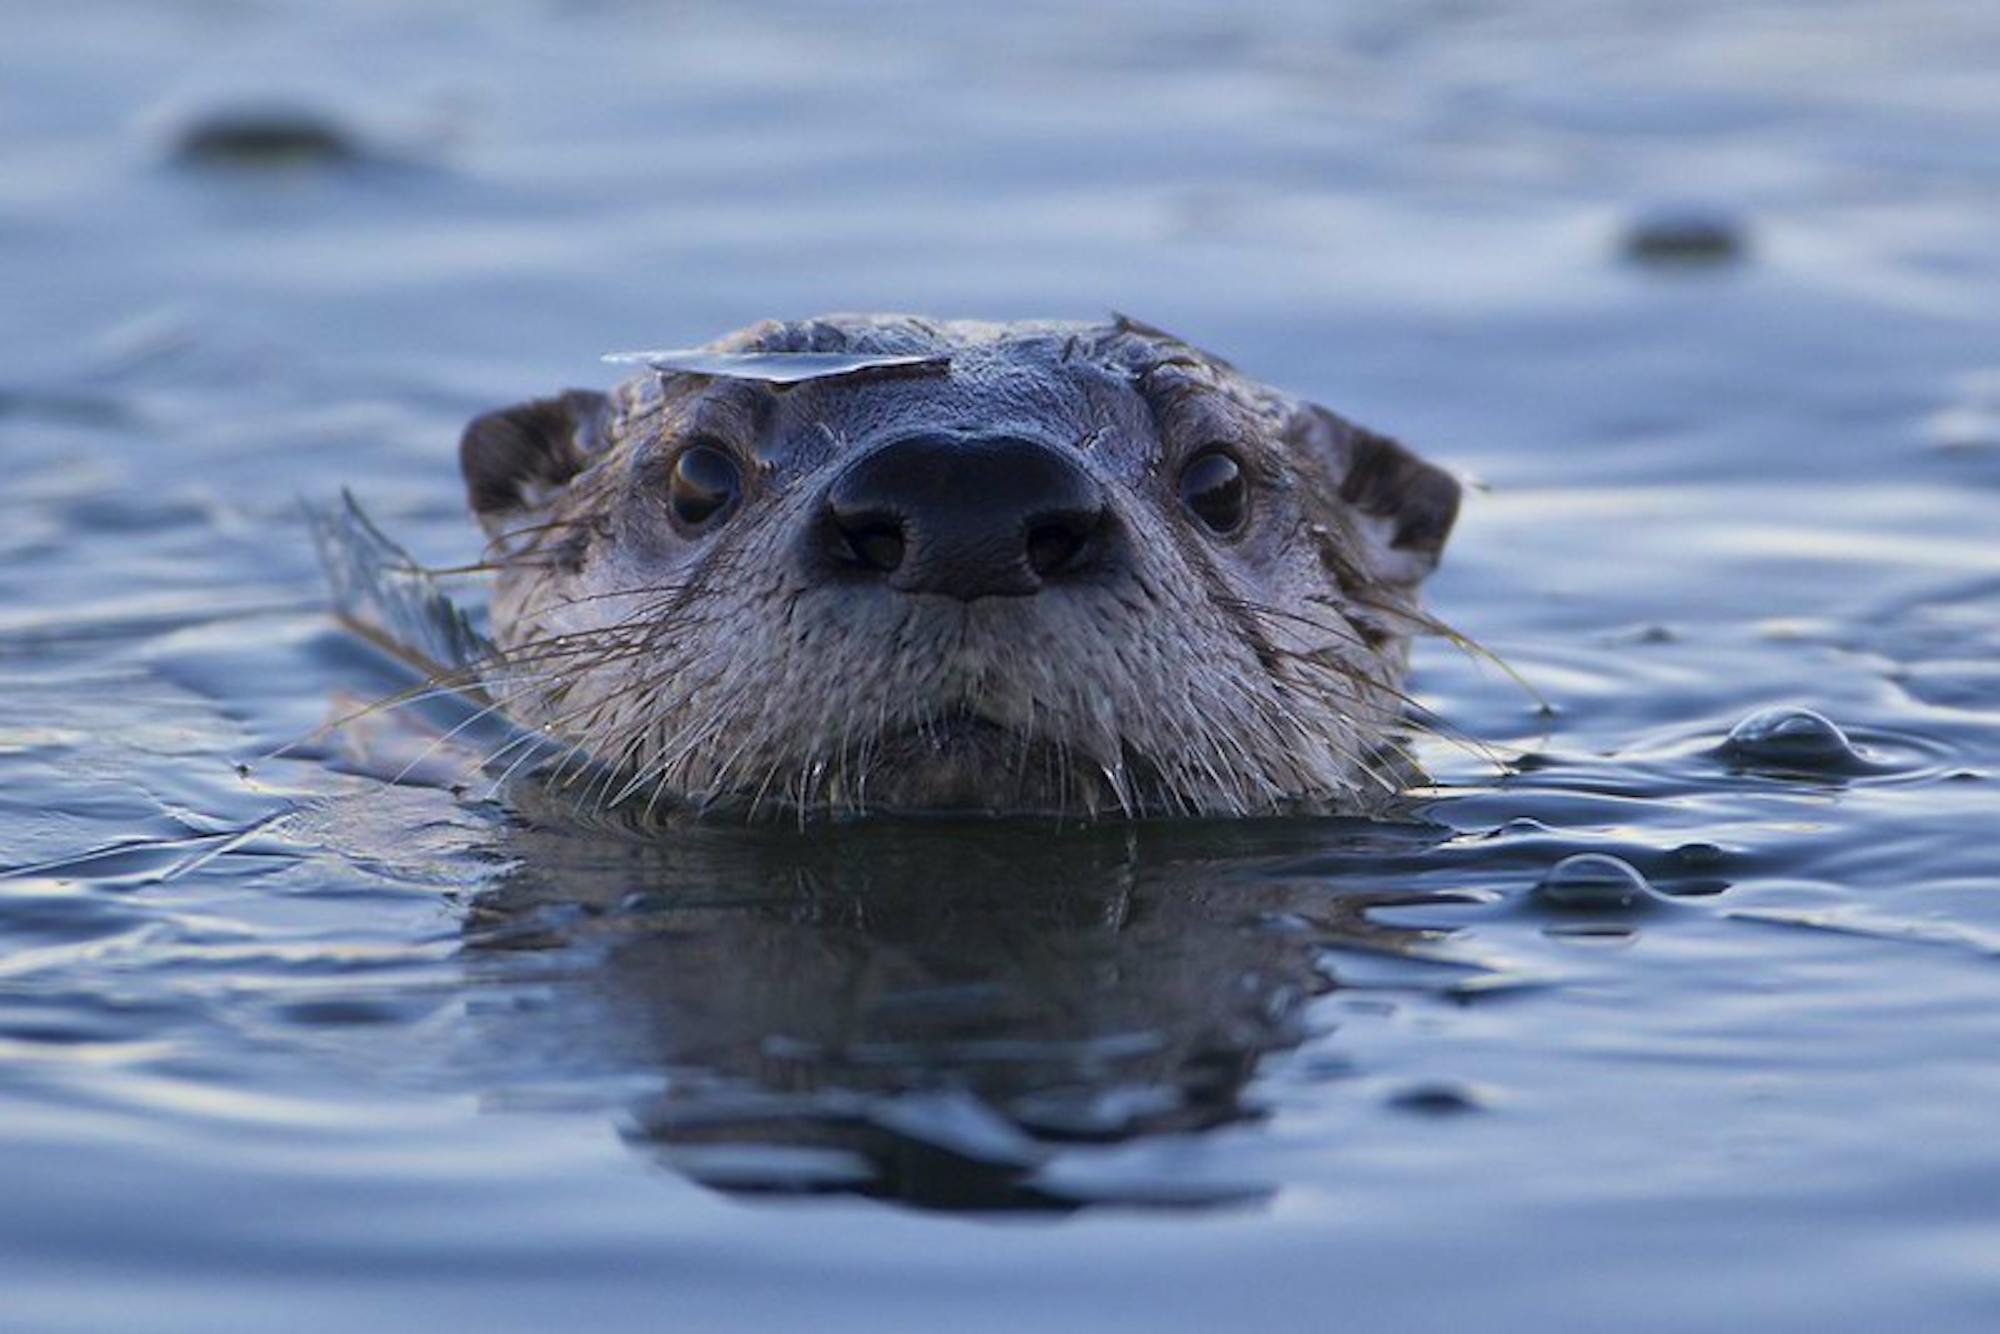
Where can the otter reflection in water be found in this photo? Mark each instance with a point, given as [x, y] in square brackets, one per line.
[951, 1015]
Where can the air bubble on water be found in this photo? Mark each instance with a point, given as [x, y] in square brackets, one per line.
[1790, 736]
[1594, 881]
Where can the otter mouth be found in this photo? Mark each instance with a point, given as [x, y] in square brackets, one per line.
[966, 763]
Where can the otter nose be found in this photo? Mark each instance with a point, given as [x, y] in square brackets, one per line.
[968, 518]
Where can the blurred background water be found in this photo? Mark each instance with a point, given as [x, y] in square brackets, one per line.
[1707, 297]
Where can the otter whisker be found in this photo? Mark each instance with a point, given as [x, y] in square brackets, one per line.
[1467, 645]
[1423, 717]
[445, 738]
[465, 682]
[665, 765]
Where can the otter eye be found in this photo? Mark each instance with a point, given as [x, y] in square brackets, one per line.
[704, 484]
[1213, 487]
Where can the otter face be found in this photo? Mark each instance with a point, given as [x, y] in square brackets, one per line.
[1023, 568]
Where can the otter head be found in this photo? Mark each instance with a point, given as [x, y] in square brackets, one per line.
[1000, 567]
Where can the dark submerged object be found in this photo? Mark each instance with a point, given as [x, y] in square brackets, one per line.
[1685, 236]
[251, 137]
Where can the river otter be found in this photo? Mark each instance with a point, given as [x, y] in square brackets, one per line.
[882, 563]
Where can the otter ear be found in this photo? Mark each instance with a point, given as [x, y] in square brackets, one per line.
[1403, 507]
[517, 460]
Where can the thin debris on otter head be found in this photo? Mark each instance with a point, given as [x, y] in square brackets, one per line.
[389, 598]
[779, 368]
[383, 593]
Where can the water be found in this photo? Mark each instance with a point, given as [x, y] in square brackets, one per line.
[301, 1046]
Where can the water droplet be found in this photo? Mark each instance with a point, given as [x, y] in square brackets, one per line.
[1594, 881]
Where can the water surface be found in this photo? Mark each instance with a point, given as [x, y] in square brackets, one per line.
[299, 1046]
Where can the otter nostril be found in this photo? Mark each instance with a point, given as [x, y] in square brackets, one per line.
[879, 546]
[872, 543]
[1056, 543]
